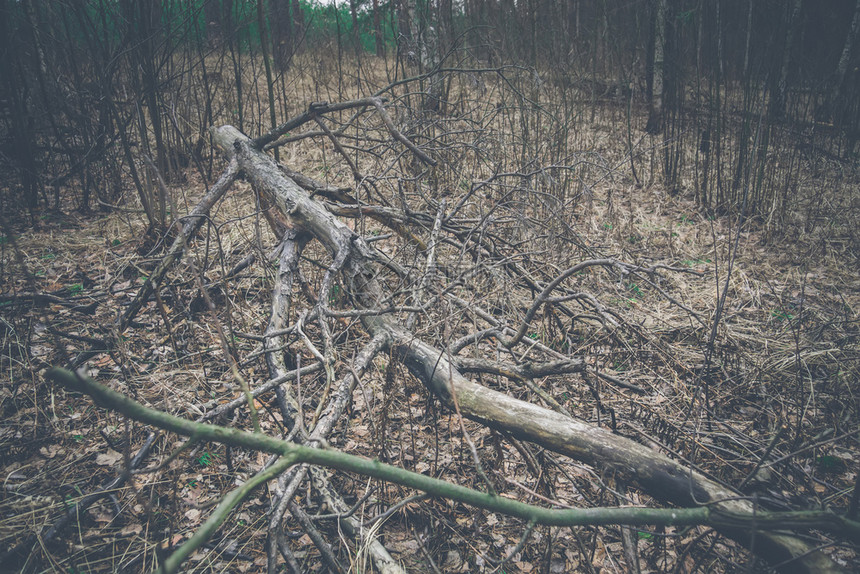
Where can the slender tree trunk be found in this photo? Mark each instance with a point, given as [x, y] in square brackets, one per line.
[270, 84]
[236, 58]
[748, 37]
[298, 16]
[845, 58]
[24, 134]
[419, 44]
[214, 27]
[142, 33]
[741, 167]
[404, 30]
[719, 35]
[533, 31]
[377, 30]
[446, 25]
[655, 109]
[353, 10]
[779, 92]
[282, 32]
[439, 38]
[151, 19]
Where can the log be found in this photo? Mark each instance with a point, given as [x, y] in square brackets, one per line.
[654, 473]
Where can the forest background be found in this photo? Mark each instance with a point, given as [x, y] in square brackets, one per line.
[641, 216]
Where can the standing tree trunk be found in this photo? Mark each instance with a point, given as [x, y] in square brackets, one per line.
[298, 16]
[748, 38]
[270, 83]
[282, 32]
[143, 34]
[353, 11]
[404, 29]
[655, 108]
[214, 27]
[419, 43]
[439, 37]
[446, 25]
[844, 60]
[377, 30]
[779, 92]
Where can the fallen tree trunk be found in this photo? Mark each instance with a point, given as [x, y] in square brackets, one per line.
[654, 473]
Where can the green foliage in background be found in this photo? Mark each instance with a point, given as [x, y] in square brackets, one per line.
[185, 23]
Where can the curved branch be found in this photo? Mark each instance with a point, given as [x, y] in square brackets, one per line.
[292, 453]
[544, 295]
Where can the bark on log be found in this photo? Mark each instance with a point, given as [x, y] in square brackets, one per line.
[656, 474]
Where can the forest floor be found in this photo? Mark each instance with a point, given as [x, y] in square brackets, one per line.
[783, 379]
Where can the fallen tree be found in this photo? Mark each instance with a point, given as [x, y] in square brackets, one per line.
[390, 299]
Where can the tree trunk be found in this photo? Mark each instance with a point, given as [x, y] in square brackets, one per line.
[214, 25]
[404, 29]
[446, 25]
[779, 91]
[655, 108]
[419, 43]
[845, 58]
[353, 10]
[746, 67]
[298, 16]
[282, 32]
[377, 30]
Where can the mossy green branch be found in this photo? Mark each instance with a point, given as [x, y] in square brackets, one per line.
[220, 514]
[295, 454]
